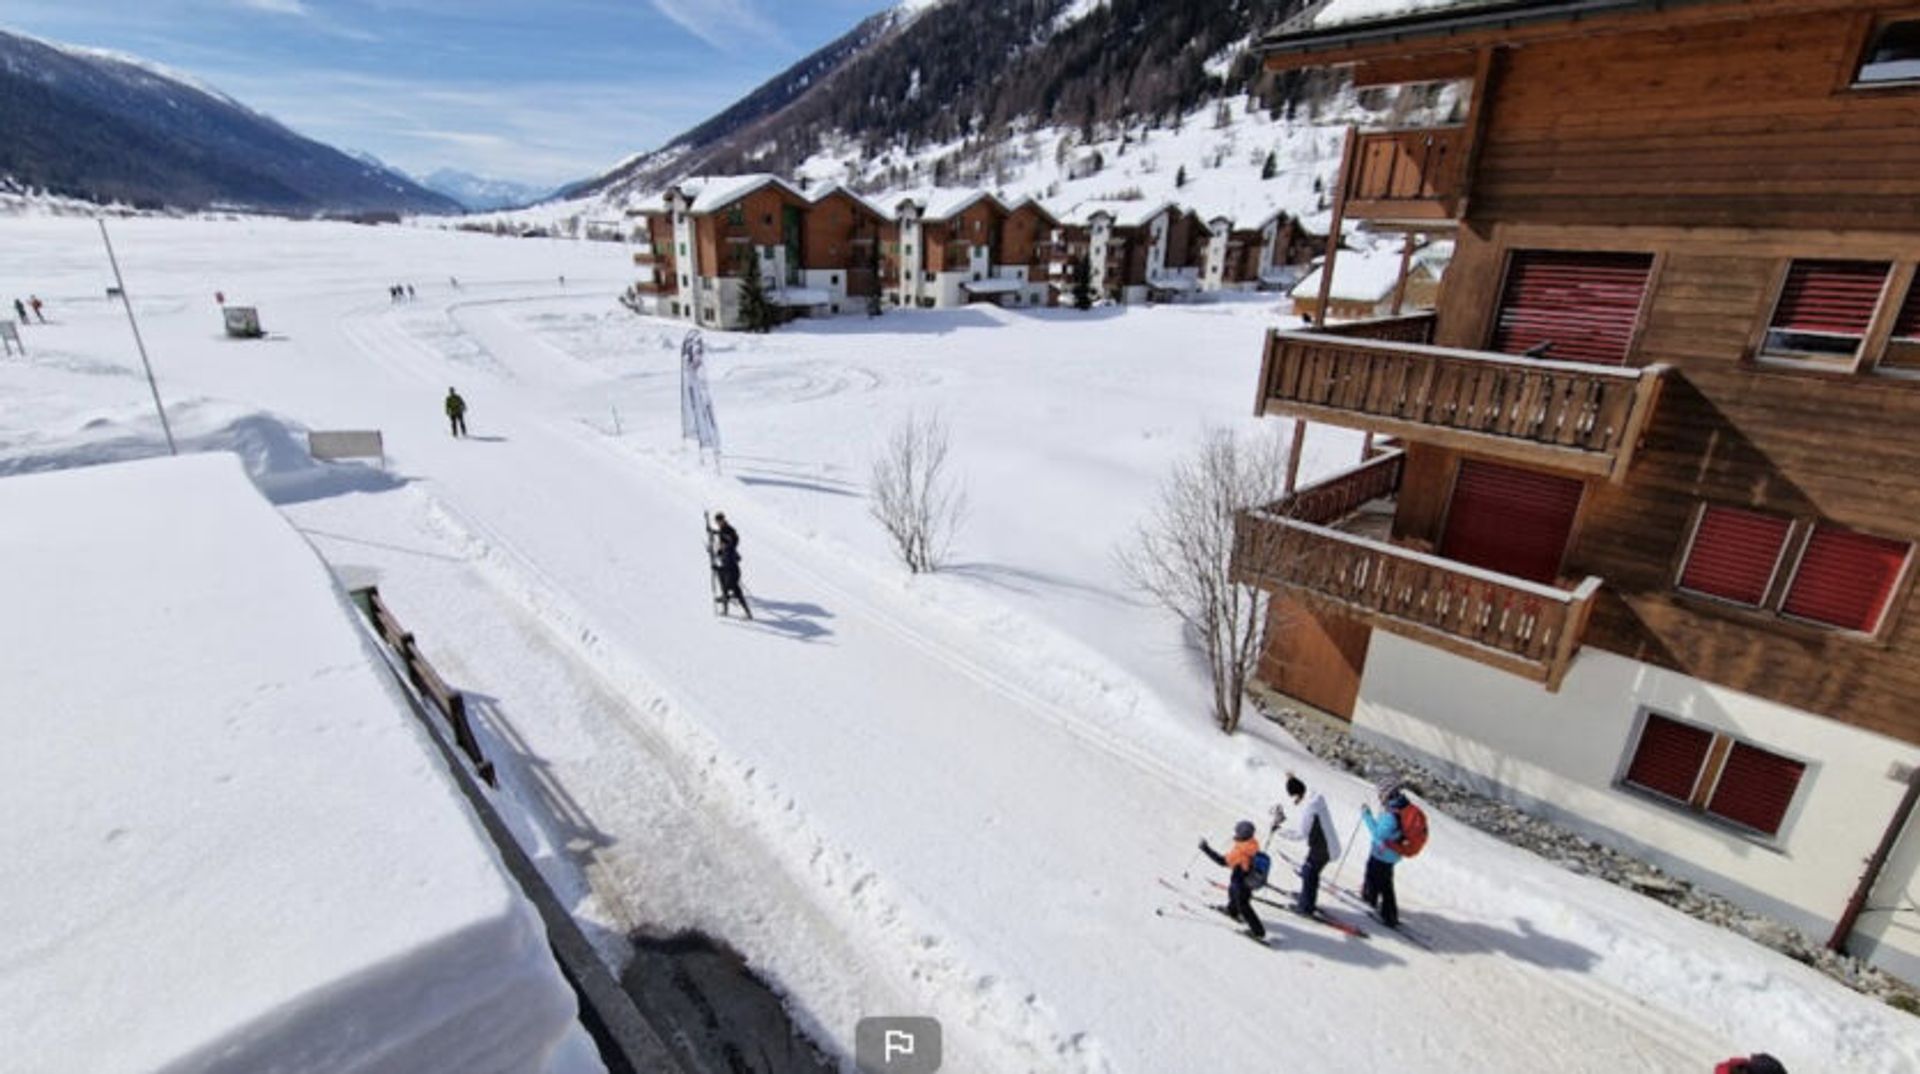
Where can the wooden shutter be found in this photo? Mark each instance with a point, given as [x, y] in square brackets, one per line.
[1668, 757]
[1830, 297]
[1755, 788]
[1510, 520]
[1585, 304]
[1734, 553]
[1845, 578]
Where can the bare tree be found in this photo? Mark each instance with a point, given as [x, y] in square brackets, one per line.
[1182, 556]
[913, 493]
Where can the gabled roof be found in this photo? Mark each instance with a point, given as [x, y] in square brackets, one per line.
[711, 193]
[944, 203]
[1037, 205]
[835, 188]
[1122, 213]
[1361, 275]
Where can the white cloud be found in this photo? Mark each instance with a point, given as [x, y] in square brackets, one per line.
[724, 24]
[277, 7]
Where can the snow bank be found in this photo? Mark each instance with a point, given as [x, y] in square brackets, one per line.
[272, 449]
[229, 846]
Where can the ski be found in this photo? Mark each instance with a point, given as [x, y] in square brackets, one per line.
[1319, 916]
[1182, 910]
[1401, 930]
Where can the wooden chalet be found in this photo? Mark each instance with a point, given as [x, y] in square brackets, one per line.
[1633, 536]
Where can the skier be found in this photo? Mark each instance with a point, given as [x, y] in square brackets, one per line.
[220, 298]
[456, 412]
[409, 292]
[1757, 1063]
[455, 281]
[723, 544]
[1240, 881]
[20, 308]
[1391, 842]
[34, 301]
[1314, 826]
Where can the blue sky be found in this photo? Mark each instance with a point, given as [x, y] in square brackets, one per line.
[541, 91]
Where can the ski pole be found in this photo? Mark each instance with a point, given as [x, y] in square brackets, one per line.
[1346, 850]
[1186, 873]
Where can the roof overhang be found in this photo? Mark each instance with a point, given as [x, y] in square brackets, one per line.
[1463, 29]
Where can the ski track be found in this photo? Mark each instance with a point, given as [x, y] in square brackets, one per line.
[1649, 1040]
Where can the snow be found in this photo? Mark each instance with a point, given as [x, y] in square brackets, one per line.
[947, 795]
[1074, 11]
[228, 845]
[1358, 276]
[713, 193]
[1341, 13]
[997, 285]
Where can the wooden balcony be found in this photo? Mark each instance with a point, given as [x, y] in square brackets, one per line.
[1510, 623]
[1325, 502]
[1408, 175]
[1569, 416]
[1405, 328]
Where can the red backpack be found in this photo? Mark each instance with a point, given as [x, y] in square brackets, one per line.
[1413, 831]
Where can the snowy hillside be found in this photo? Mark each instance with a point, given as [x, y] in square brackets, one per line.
[963, 795]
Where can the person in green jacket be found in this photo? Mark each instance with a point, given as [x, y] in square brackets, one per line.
[457, 412]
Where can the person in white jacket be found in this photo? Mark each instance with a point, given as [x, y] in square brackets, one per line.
[1312, 824]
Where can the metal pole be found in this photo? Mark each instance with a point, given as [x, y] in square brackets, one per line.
[137, 341]
[1843, 929]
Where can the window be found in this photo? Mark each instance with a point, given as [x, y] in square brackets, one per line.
[1668, 758]
[1846, 579]
[1903, 349]
[1714, 774]
[1837, 577]
[1734, 554]
[1893, 55]
[736, 217]
[1824, 309]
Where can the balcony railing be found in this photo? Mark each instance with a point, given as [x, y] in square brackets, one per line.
[1408, 175]
[1405, 328]
[1327, 501]
[1570, 416]
[1509, 623]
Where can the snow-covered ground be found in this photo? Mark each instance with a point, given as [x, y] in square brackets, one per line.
[952, 795]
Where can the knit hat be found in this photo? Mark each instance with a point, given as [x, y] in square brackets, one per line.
[1762, 1063]
[1387, 786]
[1243, 830]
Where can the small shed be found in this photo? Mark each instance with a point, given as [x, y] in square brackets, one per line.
[243, 322]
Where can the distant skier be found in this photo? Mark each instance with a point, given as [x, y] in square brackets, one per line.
[409, 292]
[34, 301]
[1399, 831]
[1312, 824]
[20, 308]
[723, 545]
[455, 281]
[220, 298]
[456, 412]
[1240, 858]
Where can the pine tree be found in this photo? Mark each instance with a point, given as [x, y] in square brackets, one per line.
[1271, 168]
[756, 311]
[1082, 283]
[1180, 177]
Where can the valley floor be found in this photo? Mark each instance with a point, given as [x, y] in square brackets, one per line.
[952, 795]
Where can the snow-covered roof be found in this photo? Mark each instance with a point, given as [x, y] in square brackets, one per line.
[995, 285]
[1037, 204]
[1358, 276]
[1348, 12]
[229, 845]
[1123, 213]
[1336, 16]
[711, 193]
[831, 189]
[943, 203]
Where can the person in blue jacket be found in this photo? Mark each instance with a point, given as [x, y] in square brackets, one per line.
[1377, 889]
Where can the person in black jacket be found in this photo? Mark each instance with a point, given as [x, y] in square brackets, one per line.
[1239, 859]
[723, 543]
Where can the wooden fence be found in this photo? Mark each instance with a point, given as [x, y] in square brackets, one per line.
[444, 699]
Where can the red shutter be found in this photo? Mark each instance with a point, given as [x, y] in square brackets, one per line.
[1755, 788]
[1734, 553]
[1510, 520]
[1668, 758]
[1830, 297]
[1585, 304]
[1845, 578]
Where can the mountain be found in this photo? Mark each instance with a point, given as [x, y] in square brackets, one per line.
[960, 77]
[105, 127]
[480, 194]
